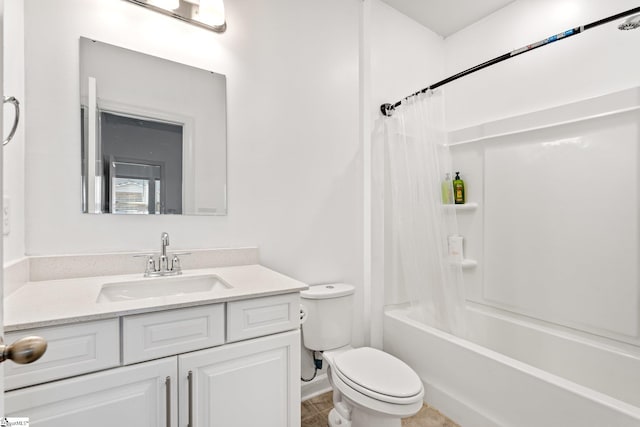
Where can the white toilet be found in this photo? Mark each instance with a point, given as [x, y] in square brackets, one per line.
[370, 387]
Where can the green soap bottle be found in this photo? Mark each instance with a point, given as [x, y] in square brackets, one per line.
[447, 190]
[458, 190]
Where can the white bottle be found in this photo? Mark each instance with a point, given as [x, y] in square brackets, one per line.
[455, 248]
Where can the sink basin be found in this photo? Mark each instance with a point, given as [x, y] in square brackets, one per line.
[154, 287]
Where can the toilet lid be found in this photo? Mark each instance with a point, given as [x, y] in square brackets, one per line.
[377, 374]
[332, 290]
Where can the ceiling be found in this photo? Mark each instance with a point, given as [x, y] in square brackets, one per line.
[445, 17]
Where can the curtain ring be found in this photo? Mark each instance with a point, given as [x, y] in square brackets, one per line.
[16, 104]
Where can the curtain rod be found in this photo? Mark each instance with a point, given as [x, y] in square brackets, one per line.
[387, 109]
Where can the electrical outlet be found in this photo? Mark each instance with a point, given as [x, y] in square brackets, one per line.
[6, 208]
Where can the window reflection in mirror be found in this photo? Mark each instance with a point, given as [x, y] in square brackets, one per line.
[153, 134]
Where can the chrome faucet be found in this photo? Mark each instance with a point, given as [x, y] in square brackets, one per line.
[164, 262]
[164, 267]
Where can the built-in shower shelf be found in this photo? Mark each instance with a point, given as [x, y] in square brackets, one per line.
[468, 263]
[465, 263]
[471, 206]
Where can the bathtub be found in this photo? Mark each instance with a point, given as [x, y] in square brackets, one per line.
[477, 386]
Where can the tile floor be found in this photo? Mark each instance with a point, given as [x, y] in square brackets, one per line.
[314, 413]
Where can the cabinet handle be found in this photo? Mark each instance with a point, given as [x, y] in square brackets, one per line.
[190, 380]
[167, 384]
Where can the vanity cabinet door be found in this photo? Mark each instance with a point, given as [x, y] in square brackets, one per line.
[249, 383]
[133, 396]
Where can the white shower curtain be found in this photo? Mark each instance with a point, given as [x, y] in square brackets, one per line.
[417, 160]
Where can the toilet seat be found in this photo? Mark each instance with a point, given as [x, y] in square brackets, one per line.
[378, 375]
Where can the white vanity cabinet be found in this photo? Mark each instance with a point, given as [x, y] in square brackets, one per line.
[175, 368]
[128, 396]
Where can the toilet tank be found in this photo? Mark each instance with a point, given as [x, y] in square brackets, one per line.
[329, 310]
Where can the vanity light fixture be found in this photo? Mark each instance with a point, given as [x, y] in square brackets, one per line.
[207, 14]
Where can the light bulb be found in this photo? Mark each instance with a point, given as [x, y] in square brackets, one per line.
[210, 12]
[165, 4]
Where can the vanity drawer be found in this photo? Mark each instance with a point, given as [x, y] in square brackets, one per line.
[262, 316]
[154, 335]
[71, 350]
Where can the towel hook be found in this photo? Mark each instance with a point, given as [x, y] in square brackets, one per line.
[12, 100]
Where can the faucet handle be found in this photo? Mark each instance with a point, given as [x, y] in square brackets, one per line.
[151, 266]
[151, 263]
[175, 262]
[175, 265]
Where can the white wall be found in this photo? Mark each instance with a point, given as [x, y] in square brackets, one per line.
[593, 63]
[405, 56]
[293, 147]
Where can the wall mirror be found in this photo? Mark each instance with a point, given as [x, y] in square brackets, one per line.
[153, 134]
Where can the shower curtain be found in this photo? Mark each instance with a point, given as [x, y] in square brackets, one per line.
[417, 160]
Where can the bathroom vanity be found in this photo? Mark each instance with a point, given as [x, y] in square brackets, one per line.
[229, 356]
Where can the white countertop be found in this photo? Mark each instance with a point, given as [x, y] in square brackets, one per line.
[55, 302]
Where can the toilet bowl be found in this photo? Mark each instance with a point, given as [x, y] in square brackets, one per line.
[370, 387]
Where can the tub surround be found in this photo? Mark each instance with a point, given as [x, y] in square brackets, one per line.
[70, 294]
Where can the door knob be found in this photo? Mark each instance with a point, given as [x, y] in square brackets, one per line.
[25, 350]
